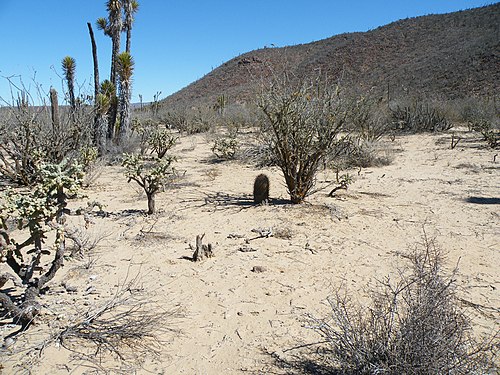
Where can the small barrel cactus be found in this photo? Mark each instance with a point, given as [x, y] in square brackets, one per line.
[261, 189]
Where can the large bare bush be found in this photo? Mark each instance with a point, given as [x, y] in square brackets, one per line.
[303, 126]
[412, 326]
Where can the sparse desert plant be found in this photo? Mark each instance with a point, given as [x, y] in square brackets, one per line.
[36, 213]
[116, 335]
[129, 326]
[303, 126]
[343, 182]
[413, 326]
[225, 147]
[487, 130]
[151, 174]
[367, 120]
[419, 117]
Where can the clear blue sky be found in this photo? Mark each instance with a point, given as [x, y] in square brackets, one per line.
[177, 42]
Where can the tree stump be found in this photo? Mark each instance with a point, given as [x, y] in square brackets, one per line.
[201, 251]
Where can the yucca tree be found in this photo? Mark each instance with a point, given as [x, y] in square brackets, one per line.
[125, 70]
[130, 7]
[109, 91]
[112, 27]
[69, 70]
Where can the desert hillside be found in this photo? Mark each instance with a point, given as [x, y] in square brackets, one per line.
[444, 56]
[244, 311]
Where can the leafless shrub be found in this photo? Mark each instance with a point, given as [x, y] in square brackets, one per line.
[412, 326]
[128, 327]
[117, 336]
[261, 155]
[367, 118]
[83, 240]
[419, 117]
[304, 123]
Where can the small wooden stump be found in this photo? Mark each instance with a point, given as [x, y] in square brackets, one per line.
[201, 251]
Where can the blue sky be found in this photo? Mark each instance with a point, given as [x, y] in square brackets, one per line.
[177, 42]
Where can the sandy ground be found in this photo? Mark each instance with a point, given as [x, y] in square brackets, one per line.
[233, 320]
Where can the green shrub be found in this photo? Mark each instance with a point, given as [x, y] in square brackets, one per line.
[151, 174]
[225, 147]
[24, 251]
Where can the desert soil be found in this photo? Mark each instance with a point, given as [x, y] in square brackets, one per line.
[246, 308]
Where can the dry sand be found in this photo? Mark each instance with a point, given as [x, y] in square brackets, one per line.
[234, 320]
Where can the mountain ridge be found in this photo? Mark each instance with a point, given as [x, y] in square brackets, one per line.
[444, 56]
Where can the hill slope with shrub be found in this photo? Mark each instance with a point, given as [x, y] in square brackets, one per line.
[446, 56]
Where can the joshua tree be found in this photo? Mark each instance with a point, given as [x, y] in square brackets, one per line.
[109, 91]
[69, 68]
[113, 27]
[130, 7]
[125, 70]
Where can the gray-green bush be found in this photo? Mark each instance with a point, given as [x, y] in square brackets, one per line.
[304, 123]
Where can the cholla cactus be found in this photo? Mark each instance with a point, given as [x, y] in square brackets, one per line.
[150, 173]
[36, 212]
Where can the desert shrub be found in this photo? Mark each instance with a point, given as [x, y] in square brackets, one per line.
[412, 326]
[31, 135]
[225, 147]
[304, 122]
[260, 155]
[474, 109]
[418, 117]
[367, 119]
[151, 174]
[36, 213]
[490, 134]
[190, 122]
[154, 137]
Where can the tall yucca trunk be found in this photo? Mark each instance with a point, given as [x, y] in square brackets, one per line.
[125, 71]
[96, 62]
[69, 69]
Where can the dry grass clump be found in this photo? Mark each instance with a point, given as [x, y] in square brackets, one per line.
[412, 326]
[117, 336]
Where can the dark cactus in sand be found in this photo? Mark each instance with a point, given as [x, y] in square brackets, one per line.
[261, 189]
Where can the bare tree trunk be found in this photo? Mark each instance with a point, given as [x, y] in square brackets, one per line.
[151, 203]
[129, 36]
[201, 251]
[125, 112]
[96, 63]
[54, 107]
[100, 133]
[115, 41]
